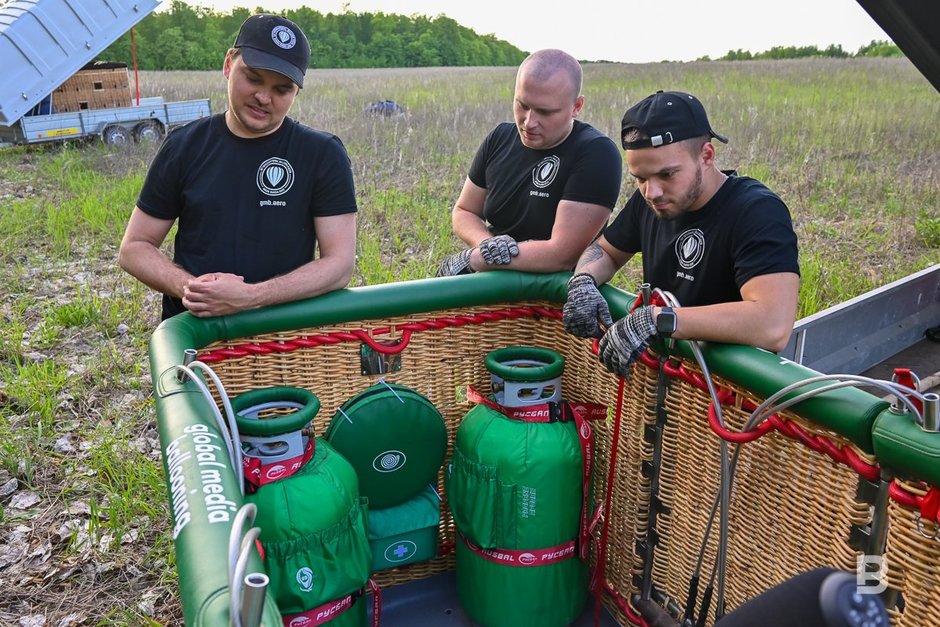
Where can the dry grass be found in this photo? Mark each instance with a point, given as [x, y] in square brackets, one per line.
[852, 146]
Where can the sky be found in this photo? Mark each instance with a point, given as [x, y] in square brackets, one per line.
[629, 31]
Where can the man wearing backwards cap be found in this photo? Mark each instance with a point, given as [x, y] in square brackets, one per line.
[254, 191]
[722, 244]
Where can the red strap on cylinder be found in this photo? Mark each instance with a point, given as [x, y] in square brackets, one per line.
[376, 602]
[515, 557]
[330, 610]
[322, 613]
[258, 474]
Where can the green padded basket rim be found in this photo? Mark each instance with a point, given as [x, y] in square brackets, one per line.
[554, 363]
[280, 424]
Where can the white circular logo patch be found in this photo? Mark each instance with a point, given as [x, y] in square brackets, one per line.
[526, 559]
[389, 461]
[275, 176]
[690, 247]
[544, 173]
[284, 37]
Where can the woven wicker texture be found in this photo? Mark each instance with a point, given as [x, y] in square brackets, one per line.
[913, 559]
[792, 509]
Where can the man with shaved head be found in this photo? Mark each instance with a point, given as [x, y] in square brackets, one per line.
[541, 189]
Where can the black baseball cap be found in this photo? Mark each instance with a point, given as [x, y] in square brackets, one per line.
[666, 117]
[271, 42]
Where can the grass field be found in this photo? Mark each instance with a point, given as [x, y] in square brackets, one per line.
[852, 146]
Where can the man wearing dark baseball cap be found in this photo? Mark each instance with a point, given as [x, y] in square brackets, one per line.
[722, 245]
[271, 42]
[666, 117]
[255, 192]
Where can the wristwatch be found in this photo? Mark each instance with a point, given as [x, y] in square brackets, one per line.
[666, 322]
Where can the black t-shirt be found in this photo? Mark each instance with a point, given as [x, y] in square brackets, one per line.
[524, 185]
[246, 206]
[704, 257]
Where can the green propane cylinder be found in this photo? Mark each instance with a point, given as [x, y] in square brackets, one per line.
[313, 522]
[515, 491]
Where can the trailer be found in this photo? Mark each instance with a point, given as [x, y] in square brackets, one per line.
[148, 121]
[49, 44]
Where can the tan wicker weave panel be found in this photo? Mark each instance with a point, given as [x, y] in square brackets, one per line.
[792, 508]
[913, 558]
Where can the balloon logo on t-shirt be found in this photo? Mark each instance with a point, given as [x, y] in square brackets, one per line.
[690, 248]
[275, 176]
[544, 173]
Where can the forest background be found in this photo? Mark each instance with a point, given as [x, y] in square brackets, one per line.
[184, 37]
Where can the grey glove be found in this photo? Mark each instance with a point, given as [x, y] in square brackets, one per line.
[626, 340]
[458, 263]
[499, 250]
[585, 308]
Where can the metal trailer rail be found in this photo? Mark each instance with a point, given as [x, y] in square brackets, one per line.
[147, 122]
[853, 336]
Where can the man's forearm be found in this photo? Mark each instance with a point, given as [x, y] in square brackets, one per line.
[596, 262]
[534, 256]
[740, 322]
[152, 268]
[469, 227]
[312, 279]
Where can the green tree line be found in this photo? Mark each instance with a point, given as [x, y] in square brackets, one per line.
[873, 49]
[196, 38]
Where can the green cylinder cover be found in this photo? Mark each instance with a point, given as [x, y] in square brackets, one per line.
[313, 531]
[517, 485]
[496, 595]
[395, 439]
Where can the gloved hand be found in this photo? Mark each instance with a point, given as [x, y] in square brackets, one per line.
[585, 308]
[458, 263]
[499, 250]
[626, 339]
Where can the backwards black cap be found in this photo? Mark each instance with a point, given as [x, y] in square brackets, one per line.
[666, 117]
[271, 42]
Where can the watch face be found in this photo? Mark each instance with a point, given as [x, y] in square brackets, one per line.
[666, 321]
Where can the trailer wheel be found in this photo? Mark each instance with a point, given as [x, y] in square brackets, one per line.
[116, 135]
[149, 131]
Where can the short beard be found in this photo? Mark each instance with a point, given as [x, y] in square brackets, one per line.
[690, 196]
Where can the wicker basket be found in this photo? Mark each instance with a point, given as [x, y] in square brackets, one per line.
[794, 506]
